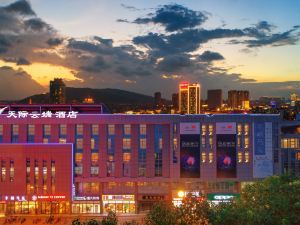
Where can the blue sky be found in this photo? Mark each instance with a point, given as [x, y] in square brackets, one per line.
[264, 60]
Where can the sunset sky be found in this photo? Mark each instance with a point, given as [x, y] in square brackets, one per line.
[148, 46]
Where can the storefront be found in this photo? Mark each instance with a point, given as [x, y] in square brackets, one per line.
[146, 202]
[179, 195]
[219, 198]
[86, 204]
[43, 204]
[118, 203]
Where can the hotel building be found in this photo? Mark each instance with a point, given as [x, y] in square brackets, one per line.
[126, 163]
[189, 98]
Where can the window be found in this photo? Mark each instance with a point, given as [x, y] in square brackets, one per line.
[109, 145]
[297, 155]
[210, 129]
[45, 140]
[239, 129]
[240, 157]
[31, 129]
[158, 164]
[79, 129]
[246, 129]
[246, 142]
[210, 142]
[160, 143]
[11, 171]
[95, 129]
[143, 143]
[203, 157]
[142, 163]
[44, 175]
[111, 129]
[239, 142]
[203, 142]
[3, 171]
[79, 143]
[1, 129]
[127, 129]
[175, 144]
[92, 143]
[53, 175]
[247, 157]
[143, 129]
[94, 158]
[203, 129]
[94, 170]
[78, 170]
[211, 157]
[126, 157]
[15, 129]
[47, 130]
[62, 140]
[78, 158]
[62, 129]
[126, 143]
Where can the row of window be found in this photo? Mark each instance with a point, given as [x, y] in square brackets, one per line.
[4, 171]
[290, 143]
[79, 129]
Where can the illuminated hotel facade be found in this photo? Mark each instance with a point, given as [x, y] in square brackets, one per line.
[126, 163]
[189, 98]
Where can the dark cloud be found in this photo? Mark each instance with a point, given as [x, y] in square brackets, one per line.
[21, 7]
[95, 65]
[174, 17]
[123, 21]
[129, 7]
[22, 61]
[36, 24]
[54, 41]
[209, 56]
[17, 84]
[172, 63]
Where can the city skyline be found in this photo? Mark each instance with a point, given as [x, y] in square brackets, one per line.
[228, 45]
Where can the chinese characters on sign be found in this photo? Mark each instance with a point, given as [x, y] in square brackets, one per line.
[47, 114]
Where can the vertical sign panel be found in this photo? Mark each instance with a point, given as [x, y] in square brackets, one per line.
[226, 150]
[262, 154]
[189, 150]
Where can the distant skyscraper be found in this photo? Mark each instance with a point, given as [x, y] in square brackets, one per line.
[175, 101]
[238, 99]
[214, 99]
[157, 99]
[189, 98]
[57, 91]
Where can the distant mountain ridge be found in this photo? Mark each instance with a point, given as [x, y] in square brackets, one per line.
[107, 96]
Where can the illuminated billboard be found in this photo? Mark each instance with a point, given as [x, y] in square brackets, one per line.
[190, 150]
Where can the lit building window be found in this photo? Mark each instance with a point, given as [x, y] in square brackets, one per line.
[239, 142]
[31, 129]
[175, 143]
[95, 129]
[111, 129]
[174, 128]
[239, 129]
[109, 143]
[47, 130]
[143, 129]
[127, 129]
[11, 171]
[247, 157]
[1, 129]
[160, 143]
[62, 140]
[3, 171]
[79, 143]
[126, 143]
[210, 142]
[126, 157]
[15, 129]
[44, 175]
[45, 140]
[143, 143]
[297, 155]
[246, 142]
[53, 176]
[203, 158]
[62, 129]
[240, 157]
[211, 157]
[92, 143]
[158, 164]
[203, 128]
[78, 158]
[246, 129]
[210, 129]
[94, 158]
[79, 129]
[94, 170]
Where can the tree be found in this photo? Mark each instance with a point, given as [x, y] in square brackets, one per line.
[193, 211]
[273, 201]
[111, 219]
[162, 214]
